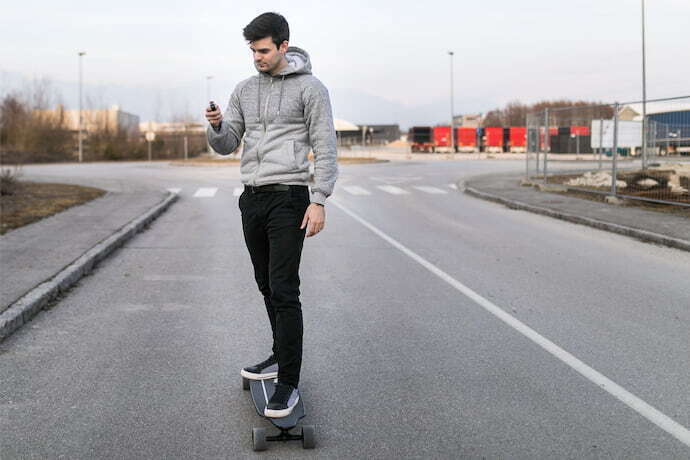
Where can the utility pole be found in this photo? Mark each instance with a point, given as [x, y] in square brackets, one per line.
[81, 155]
[644, 96]
[452, 110]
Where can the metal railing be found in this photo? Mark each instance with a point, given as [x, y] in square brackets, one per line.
[609, 149]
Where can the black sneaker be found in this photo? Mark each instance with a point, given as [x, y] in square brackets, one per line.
[283, 400]
[265, 370]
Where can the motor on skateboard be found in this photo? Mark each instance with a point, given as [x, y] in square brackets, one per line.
[261, 391]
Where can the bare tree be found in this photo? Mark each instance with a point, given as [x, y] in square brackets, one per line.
[493, 118]
[515, 114]
[562, 112]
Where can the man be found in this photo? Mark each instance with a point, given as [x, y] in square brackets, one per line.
[282, 112]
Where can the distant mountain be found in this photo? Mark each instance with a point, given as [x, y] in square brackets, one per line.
[361, 108]
[167, 104]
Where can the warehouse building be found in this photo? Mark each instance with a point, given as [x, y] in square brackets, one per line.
[112, 119]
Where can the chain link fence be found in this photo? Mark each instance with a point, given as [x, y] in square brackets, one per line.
[613, 149]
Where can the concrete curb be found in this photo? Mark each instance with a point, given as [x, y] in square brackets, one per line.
[643, 235]
[22, 310]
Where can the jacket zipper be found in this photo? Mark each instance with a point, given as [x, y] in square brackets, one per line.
[263, 137]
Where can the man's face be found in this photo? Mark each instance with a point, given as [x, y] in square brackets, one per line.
[267, 56]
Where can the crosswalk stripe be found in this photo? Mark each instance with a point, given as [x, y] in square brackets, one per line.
[453, 186]
[206, 192]
[356, 190]
[237, 191]
[393, 189]
[427, 189]
[174, 190]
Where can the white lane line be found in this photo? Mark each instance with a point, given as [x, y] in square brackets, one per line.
[356, 190]
[652, 414]
[427, 189]
[237, 191]
[174, 190]
[453, 186]
[206, 192]
[393, 189]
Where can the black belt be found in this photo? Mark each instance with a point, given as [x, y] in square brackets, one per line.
[267, 188]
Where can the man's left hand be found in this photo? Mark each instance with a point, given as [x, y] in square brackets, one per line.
[314, 219]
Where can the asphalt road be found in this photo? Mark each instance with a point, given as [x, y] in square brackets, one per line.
[142, 358]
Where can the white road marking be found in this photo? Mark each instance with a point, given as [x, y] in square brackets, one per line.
[206, 192]
[174, 190]
[427, 189]
[453, 186]
[397, 179]
[237, 191]
[355, 190]
[649, 412]
[392, 189]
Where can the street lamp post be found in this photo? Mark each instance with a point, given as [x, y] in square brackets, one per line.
[452, 110]
[644, 97]
[81, 156]
[150, 137]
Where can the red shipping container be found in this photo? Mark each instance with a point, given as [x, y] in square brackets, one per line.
[579, 130]
[466, 137]
[442, 136]
[518, 136]
[494, 137]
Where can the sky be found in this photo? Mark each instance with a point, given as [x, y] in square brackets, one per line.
[383, 61]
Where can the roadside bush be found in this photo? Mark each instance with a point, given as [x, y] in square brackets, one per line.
[32, 135]
[9, 180]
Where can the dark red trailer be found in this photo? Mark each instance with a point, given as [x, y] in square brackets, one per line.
[466, 139]
[518, 139]
[494, 139]
[442, 136]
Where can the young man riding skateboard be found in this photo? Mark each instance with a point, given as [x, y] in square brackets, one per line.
[282, 112]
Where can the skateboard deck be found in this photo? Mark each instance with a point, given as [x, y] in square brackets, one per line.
[261, 391]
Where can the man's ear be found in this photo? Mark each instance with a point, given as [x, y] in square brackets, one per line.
[283, 47]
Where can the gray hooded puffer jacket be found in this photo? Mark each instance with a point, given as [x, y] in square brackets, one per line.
[281, 117]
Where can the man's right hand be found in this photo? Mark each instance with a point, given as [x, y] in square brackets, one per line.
[214, 117]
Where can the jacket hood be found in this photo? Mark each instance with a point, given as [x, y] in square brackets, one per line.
[298, 62]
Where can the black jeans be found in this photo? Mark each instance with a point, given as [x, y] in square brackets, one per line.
[270, 222]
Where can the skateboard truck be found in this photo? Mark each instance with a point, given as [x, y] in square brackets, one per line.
[260, 439]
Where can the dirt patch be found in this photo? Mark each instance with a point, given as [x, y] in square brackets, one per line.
[647, 205]
[33, 201]
[664, 185]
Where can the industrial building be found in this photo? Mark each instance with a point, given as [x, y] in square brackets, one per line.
[112, 119]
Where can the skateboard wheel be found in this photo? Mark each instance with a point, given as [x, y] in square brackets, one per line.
[259, 439]
[245, 383]
[308, 437]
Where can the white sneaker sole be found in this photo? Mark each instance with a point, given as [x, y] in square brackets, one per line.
[273, 413]
[252, 376]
